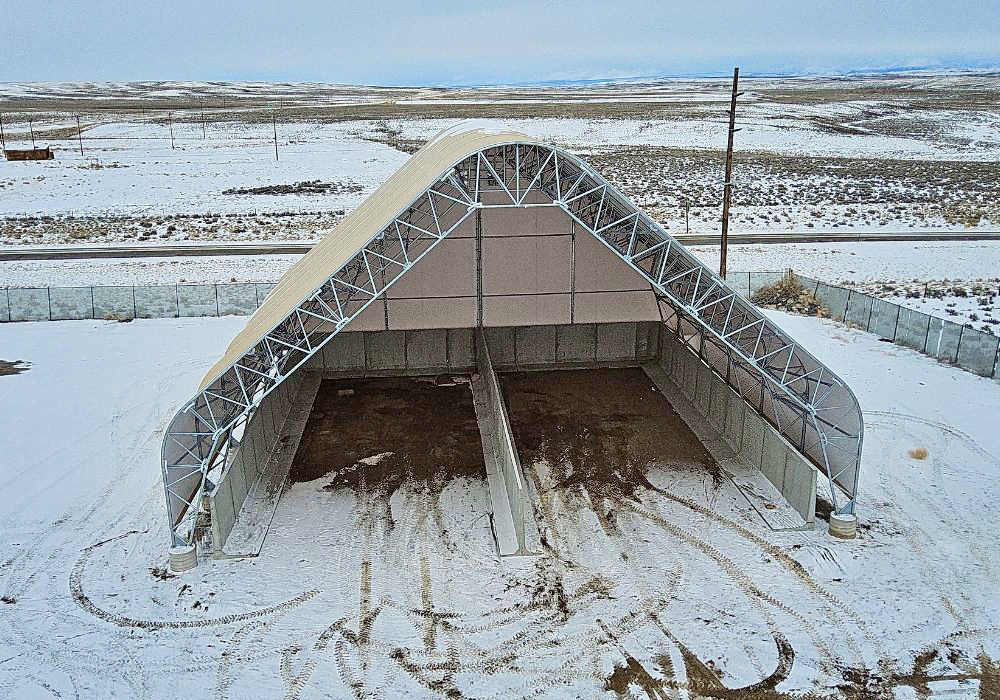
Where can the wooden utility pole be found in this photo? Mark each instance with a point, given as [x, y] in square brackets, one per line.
[79, 135]
[687, 217]
[3, 138]
[274, 125]
[728, 185]
[202, 118]
[170, 123]
[31, 128]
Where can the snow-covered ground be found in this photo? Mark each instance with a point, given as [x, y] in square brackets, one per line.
[693, 585]
[130, 168]
[911, 152]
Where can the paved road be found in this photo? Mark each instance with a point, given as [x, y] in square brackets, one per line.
[135, 250]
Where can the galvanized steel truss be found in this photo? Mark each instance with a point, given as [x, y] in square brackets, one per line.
[808, 404]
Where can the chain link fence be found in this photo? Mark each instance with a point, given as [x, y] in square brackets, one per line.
[127, 302]
[944, 340]
[950, 342]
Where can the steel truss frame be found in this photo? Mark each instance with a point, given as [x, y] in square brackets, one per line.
[806, 402]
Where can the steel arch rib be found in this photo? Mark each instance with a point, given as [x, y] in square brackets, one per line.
[812, 407]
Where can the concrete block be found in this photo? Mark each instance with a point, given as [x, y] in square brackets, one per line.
[263, 289]
[718, 403]
[647, 340]
[344, 351]
[267, 432]
[237, 479]
[502, 345]
[752, 443]
[4, 306]
[535, 345]
[114, 302]
[223, 515]
[576, 343]
[615, 341]
[236, 299]
[668, 347]
[689, 374]
[197, 300]
[527, 310]
[71, 303]
[427, 349]
[414, 314]
[28, 304]
[156, 302]
[774, 458]
[611, 307]
[733, 432]
[461, 348]
[799, 487]
[703, 388]
[385, 350]
[248, 465]
[260, 451]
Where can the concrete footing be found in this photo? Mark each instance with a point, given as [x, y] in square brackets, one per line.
[183, 558]
[843, 526]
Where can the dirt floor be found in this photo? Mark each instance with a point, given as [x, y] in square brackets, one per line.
[601, 430]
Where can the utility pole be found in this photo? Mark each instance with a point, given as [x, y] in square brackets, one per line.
[274, 125]
[202, 100]
[31, 128]
[687, 217]
[170, 123]
[728, 185]
[3, 138]
[79, 136]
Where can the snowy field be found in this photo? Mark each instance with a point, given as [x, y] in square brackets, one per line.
[693, 592]
[174, 161]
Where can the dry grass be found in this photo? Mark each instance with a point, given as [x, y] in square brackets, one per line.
[918, 453]
[8, 367]
[789, 294]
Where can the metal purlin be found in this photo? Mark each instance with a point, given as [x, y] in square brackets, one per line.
[807, 403]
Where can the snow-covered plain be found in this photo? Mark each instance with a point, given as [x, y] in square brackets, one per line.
[693, 585]
[902, 153]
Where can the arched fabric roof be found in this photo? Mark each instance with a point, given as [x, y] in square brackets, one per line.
[446, 181]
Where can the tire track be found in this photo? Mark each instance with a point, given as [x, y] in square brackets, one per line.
[76, 590]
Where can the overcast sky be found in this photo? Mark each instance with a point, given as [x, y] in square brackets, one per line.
[460, 43]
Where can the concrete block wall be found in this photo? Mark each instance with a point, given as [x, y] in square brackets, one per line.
[429, 351]
[743, 429]
[248, 461]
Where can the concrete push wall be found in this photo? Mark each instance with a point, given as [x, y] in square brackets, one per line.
[751, 437]
[430, 351]
[247, 464]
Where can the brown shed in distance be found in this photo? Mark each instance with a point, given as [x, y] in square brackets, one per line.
[30, 153]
